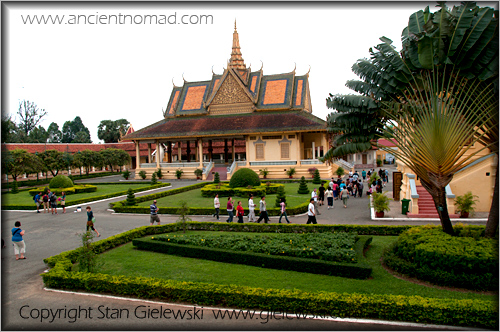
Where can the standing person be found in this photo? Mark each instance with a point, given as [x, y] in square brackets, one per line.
[45, 199]
[263, 211]
[363, 174]
[53, 202]
[369, 173]
[360, 188]
[17, 240]
[153, 209]
[240, 212]
[355, 176]
[38, 201]
[329, 197]
[321, 197]
[216, 206]
[283, 211]
[251, 209]
[230, 208]
[311, 214]
[344, 196]
[90, 221]
[63, 201]
[314, 196]
[335, 190]
[386, 175]
[330, 185]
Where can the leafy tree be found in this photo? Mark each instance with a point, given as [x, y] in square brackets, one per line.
[75, 132]
[29, 116]
[123, 158]
[87, 159]
[303, 186]
[183, 218]
[9, 130]
[37, 135]
[111, 131]
[36, 166]
[462, 42]
[153, 179]
[54, 134]
[53, 161]
[88, 258]
[130, 197]
[17, 162]
[216, 177]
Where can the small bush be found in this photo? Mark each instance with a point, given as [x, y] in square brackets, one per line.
[216, 177]
[142, 174]
[126, 174]
[280, 195]
[130, 197]
[317, 177]
[15, 187]
[244, 177]
[153, 179]
[159, 174]
[178, 173]
[60, 181]
[303, 186]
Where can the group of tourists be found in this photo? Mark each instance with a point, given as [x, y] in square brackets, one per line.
[48, 201]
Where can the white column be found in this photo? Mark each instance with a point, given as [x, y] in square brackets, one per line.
[233, 150]
[200, 152]
[137, 156]
[319, 149]
[179, 152]
[25, 176]
[93, 169]
[7, 177]
[69, 171]
[149, 152]
[247, 150]
[297, 135]
[313, 157]
[157, 154]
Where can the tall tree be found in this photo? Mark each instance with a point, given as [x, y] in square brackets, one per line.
[17, 162]
[10, 132]
[53, 161]
[29, 116]
[71, 129]
[38, 135]
[87, 159]
[111, 131]
[55, 135]
[459, 42]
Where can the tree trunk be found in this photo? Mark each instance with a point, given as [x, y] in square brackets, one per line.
[439, 197]
[492, 223]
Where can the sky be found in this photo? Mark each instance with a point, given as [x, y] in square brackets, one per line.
[99, 65]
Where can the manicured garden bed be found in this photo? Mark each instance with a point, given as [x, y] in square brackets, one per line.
[181, 279]
[24, 200]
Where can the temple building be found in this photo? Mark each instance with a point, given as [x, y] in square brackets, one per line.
[260, 122]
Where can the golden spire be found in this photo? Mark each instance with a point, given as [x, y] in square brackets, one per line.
[236, 60]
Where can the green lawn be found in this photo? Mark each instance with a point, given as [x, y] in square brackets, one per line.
[194, 198]
[24, 198]
[125, 260]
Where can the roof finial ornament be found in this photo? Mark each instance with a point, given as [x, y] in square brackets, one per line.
[173, 83]
[235, 24]
[308, 70]
[294, 67]
[183, 78]
[213, 70]
[261, 66]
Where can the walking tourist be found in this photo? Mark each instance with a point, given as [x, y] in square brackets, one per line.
[153, 209]
[63, 201]
[240, 212]
[38, 201]
[53, 202]
[329, 198]
[251, 209]
[17, 240]
[360, 188]
[344, 196]
[311, 214]
[230, 208]
[45, 199]
[216, 206]
[321, 196]
[263, 210]
[314, 196]
[283, 211]
[363, 174]
[91, 220]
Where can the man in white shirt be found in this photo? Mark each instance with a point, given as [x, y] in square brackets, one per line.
[216, 206]
[311, 215]
[314, 196]
[251, 209]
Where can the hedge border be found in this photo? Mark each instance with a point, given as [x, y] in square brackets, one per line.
[360, 270]
[87, 199]
[469, 313]
[32, 183]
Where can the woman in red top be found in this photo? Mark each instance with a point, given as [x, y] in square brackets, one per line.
[240, 212]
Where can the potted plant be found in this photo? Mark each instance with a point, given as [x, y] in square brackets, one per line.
[380, 203]
[198, 172]
[312, 170]
[291, 172]
[264, 172]
[379, 162]
[465, 204]
[159, 173]
[142, 174]
[126, 174]
[178, 173]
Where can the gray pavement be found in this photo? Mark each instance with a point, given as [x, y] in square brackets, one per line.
[23, 296]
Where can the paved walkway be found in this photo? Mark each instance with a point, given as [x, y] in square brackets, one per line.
[48, 235]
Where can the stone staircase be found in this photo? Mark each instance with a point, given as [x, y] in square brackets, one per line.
[222, 173]
[426, 207]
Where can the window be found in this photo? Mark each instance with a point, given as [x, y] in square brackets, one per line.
[259, 151]
[272, 137]
[291, 136]
[285, 150]
[253, 138]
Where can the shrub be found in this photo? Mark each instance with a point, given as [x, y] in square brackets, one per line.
[216, 177]
[317, 177]
[291, 172]
[183, 218]
[280, 195]
[130, 197]
[340, 171]
[126, 174]
[159, 174]
[88, 259]
[244, 177]
[380, 202]
[178, 173]
[263, 172]
[60, 181]
[142, 174]
[153, 179]
[15, 187]
[466, 202]
[303, 186]
[379, 162]
[198, 172]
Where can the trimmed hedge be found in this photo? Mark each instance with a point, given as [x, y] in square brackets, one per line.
[360, 270]
[225, 190]
[244, 177]
[469, 313]
[76, 189]
[60, 181]
[86, 199]
[31, 183]
[428, 253]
